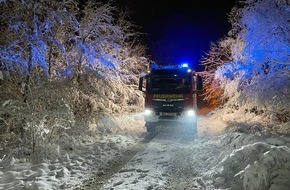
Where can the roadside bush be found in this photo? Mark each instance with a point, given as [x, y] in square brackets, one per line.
[255, 78]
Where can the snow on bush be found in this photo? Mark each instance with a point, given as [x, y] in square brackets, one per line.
[68, 77]
[256, 79]
[249, 162]
[253, 165]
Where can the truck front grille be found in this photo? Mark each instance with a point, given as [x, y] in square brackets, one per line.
[176, 106]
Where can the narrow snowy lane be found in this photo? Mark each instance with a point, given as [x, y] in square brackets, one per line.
[147, 169]
[150, 168]
[173, 160]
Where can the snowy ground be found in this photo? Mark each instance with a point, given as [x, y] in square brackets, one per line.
[170, 161]
[67, 170]
[68, 165]
[213, 161]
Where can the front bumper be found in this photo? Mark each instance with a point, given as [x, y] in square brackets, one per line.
[187, 116]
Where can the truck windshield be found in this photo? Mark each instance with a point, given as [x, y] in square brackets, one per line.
[169, 85]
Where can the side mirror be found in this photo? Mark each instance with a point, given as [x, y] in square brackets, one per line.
[199, 82]
[141, 83]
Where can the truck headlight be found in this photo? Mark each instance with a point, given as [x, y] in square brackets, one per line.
[190, 112]
[148, 112]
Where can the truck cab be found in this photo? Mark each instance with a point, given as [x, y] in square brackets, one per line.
[170, 96]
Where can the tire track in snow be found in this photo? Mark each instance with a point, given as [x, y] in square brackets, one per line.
[114, 166]
[148, 169]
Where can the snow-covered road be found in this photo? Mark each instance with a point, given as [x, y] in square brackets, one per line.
[157, 165]
[173, 161]
[148, 169]
[169, 160]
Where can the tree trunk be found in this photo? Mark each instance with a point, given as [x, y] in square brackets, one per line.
[28, 75]
[49, 60]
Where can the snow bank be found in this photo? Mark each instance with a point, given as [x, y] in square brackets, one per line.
[250, 162]
[64, 166]
[253, 166]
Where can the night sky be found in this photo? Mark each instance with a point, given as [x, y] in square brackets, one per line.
[178, 30]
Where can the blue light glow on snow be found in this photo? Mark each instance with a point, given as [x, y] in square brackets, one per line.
[107, 63]
[68, 71]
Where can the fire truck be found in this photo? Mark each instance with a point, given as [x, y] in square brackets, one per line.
[170, 96]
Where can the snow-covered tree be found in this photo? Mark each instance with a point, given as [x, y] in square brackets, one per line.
[32, 31]
[219, 54]
[95, 39]
[43, 45]
[256, 79]
[28, 32]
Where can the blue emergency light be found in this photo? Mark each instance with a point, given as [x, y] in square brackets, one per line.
[169, 67]
[184, 65]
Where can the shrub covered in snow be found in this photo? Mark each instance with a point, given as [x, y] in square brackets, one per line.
[64, 67]
[249, 162]
[256, 78]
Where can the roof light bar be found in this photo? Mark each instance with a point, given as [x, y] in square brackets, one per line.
[184, 65]
[178, 66]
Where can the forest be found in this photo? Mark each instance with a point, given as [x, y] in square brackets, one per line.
[247, 72]
[65, 66]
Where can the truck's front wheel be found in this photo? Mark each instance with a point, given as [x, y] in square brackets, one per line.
[150, 126]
